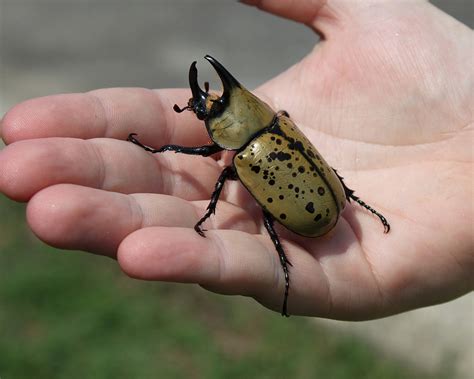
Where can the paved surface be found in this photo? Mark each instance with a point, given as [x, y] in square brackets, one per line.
[50, 46]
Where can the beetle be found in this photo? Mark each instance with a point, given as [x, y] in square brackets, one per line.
[273, 159]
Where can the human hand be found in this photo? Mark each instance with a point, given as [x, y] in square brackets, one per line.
[385, 98]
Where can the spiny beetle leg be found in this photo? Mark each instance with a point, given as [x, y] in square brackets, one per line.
[268, 222]
[386, 225]
[350, 196]
[204, 151]
[227, 173]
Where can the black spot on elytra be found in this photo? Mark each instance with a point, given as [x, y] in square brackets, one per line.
[271, 182]
[280, 156]
[240, 157]
[318, 217]
[281, 197]
[296, 145]
[255, 169]
[321, 191]
[327, 212]
[290, 186]
[289, 165]
[301, 169]
[283, 216]
[310, 207]
[278, 141]
[310, 153]
[297, 189]
[270, 200]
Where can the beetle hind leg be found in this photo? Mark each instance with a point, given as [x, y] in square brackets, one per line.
[268, 222]
[227, 173]
[350, 196]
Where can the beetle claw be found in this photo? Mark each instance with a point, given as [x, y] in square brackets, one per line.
[200, 231]
[131, 137]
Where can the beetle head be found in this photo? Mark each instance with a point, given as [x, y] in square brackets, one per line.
[204, 104]
[233, 118]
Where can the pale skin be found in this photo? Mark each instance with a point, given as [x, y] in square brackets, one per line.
[386, 97]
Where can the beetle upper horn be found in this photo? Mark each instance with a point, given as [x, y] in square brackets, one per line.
[228, 81]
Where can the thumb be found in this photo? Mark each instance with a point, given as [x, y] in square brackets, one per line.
[330, 17]
[304, 11]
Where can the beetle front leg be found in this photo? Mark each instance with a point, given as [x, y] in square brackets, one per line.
[350, 196]
[204, 151]
[227, 173]
[268, 222]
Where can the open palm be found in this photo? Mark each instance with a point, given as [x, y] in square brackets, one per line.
[386, 99]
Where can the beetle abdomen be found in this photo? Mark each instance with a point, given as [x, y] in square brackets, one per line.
[288, 177]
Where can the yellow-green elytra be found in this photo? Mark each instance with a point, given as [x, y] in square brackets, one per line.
[289, 178]
[274, 160]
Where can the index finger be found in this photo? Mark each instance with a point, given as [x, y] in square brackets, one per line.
[114, 113]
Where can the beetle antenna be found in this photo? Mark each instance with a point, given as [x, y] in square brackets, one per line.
[177, 109]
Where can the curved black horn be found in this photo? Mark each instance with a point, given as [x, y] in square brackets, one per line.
[198, 93]
[228, 81]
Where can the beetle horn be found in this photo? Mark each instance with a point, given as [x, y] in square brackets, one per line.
[198, 94]
[228, 81]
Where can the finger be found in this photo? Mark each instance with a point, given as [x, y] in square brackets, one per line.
[227, 261]
[80, 218]
[304, 11]
[113, 113]
[28, 166]
[336, 17]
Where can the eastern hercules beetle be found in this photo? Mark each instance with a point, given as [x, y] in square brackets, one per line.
[274, 160]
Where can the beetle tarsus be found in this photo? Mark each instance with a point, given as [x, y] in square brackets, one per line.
[199, 230]
[131, 138]
[386, 225]
[268, 222]
[350, 196]
[227, 173]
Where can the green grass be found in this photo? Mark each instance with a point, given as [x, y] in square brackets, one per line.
[75, 315]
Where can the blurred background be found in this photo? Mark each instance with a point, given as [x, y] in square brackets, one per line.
[73, 315]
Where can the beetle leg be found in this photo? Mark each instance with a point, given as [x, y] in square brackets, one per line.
[204, 151]
[268, 222]
[350, 196]
[227, 173]
[384, 221]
